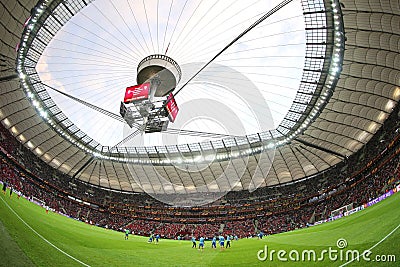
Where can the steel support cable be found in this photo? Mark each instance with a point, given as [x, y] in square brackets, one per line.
[101, 110]
[252, 26]
[136, 125]
[261, 19]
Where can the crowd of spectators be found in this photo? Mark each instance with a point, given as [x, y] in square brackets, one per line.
[362, 177]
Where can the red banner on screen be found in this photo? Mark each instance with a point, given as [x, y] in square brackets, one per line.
[172, 107]
[137, 92]
[27, 21]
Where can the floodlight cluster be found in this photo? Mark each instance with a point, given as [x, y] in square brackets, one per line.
[334, 73]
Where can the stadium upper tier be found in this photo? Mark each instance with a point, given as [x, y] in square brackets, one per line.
[341, 65]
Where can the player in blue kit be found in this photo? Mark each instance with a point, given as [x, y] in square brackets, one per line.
[214, 242]
[157, 238]
[201, 243]
[221, 242]
[260, 235]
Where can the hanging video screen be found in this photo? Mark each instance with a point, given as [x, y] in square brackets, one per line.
[171, 107]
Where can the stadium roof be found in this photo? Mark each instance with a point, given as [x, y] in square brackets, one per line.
[346, 85]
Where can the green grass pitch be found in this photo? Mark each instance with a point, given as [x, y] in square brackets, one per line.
[54, 240]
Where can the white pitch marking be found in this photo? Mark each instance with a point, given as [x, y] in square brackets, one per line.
[47, 241]
[383, 239]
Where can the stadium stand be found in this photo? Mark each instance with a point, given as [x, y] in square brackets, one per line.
[364, 176]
